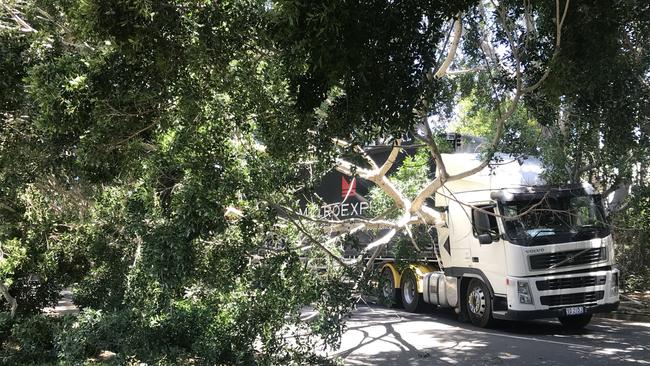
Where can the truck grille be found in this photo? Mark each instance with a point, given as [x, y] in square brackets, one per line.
[566, 299]
[545, 261]
[570, 282]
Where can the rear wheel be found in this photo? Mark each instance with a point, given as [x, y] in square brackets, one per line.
[411, 298]
[390, 296]
[479, 304]
[575, 321]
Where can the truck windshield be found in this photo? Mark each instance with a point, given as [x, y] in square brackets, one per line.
[554, 220]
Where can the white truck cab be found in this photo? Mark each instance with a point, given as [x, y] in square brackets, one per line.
[538, 252]
[514, 248]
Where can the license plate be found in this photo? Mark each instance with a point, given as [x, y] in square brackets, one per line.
[578, 310]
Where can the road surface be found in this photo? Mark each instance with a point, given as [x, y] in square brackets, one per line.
[380, 336]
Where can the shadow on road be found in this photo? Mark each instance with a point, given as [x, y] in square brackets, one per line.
[380, 336]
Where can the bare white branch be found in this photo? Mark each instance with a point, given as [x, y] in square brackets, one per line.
[458, 32]
[15, 15]
[13, 304]
[391, 158]
[385, 239]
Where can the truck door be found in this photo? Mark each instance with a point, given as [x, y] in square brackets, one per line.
[489, 257]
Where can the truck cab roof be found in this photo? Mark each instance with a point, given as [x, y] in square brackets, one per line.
[537, 192]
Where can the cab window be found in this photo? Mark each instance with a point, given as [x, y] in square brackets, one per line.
[484, 221]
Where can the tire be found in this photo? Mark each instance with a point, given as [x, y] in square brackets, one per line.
[479, 304]
[390, 296]
[412, 300]
[575, 322]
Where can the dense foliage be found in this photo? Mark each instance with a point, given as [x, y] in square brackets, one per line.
[590, 120]
[145, 147]
[131, 131]
[595, 109]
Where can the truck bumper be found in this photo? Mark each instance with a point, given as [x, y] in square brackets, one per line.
[553, 295]
[553, 313]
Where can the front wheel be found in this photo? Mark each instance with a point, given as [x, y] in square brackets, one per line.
[575, 321]
[479, 304]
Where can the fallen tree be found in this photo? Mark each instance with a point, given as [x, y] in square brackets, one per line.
[414, 211]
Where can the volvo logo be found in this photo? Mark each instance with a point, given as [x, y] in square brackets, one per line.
[571, 259]
[532, 251]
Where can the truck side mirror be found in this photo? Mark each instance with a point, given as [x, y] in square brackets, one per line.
[485, 239]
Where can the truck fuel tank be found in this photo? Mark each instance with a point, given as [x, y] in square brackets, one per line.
[440, 290]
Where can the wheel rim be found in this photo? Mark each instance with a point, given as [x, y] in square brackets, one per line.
[476, 302]
[409, 291]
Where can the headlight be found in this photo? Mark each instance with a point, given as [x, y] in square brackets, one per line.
[523, 290]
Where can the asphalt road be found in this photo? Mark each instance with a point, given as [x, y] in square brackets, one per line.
[380, 336]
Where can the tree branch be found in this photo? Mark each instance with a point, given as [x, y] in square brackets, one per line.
[559, 21]
[24, 26]
[358, 149]
[385, 167]
[299, 226]
[464, 71]
[13, 304]
[500, 123]
[343, 225]
[350, 169]
[6, 207]
[458, 32]
[417, 209]
[381, 241]
[379, 180]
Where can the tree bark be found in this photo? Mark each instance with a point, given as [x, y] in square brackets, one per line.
[13, 304]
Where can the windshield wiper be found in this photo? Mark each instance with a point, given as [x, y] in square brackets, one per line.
[545, 230]
[587, 229]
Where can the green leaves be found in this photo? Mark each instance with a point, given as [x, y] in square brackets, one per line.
[128, 129]
[14, 255]
[132, 127]
[522, 133]
[377, 52]
[596, 98]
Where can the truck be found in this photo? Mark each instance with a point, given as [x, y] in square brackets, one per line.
[512, 248]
